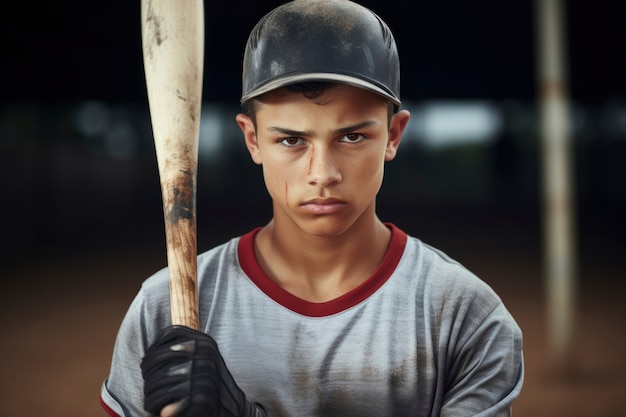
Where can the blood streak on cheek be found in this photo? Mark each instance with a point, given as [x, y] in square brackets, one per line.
[310, 168]
[287, 194]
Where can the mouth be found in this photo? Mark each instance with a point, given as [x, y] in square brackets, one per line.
[323, 205]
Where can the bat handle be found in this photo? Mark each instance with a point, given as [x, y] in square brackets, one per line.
[181, 239]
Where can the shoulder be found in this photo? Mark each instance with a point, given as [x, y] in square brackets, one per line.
[451, 294]
[208, 261]
[464, 311]
[443, 275]
[451, 279]
[151, 305]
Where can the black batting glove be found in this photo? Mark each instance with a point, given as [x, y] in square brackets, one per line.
[185, 366]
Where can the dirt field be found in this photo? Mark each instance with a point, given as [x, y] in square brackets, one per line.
[60, 313]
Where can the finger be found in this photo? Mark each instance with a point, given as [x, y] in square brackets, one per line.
[171, 410]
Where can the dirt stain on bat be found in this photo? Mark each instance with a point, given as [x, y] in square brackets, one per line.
[153, 32]
[183, 202]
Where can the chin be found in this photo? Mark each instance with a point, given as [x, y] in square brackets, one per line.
[326, 227]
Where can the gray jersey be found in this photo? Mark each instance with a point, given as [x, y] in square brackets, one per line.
[421, 337]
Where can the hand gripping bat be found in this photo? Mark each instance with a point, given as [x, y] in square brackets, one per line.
[172, 33]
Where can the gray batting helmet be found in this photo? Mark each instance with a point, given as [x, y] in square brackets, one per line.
[321, 40]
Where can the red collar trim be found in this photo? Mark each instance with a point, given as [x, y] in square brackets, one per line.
[252, 269]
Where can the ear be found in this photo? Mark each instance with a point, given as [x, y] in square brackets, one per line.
[249, 135]
[396, 128]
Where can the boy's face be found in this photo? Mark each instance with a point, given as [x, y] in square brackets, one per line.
[323, 158]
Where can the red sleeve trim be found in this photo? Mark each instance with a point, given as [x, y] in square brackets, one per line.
[108, 409]
[252, 269]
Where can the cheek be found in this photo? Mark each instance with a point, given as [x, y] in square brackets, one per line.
[370, 170]
[376, 181]
[277, 179]
[371, 179]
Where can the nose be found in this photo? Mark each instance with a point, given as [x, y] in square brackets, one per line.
[322, 168]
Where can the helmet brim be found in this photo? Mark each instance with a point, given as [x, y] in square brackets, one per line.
[319, 76]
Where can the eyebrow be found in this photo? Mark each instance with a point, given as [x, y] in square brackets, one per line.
[305, 133]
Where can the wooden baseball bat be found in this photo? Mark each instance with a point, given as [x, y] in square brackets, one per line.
[172, 33]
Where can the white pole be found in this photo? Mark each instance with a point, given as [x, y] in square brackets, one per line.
[558, 211]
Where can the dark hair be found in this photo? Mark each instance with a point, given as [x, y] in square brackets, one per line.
[310, 90]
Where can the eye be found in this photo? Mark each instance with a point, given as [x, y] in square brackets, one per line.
[290, 142]
[352, 138]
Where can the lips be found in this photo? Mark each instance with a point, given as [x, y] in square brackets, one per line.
[323, 205]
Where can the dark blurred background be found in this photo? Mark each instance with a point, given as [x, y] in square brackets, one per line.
[75, 139]
[79, 182]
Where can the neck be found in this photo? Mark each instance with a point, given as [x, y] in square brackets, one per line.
[318, 268]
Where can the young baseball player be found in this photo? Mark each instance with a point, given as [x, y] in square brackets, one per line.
[326, 310]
